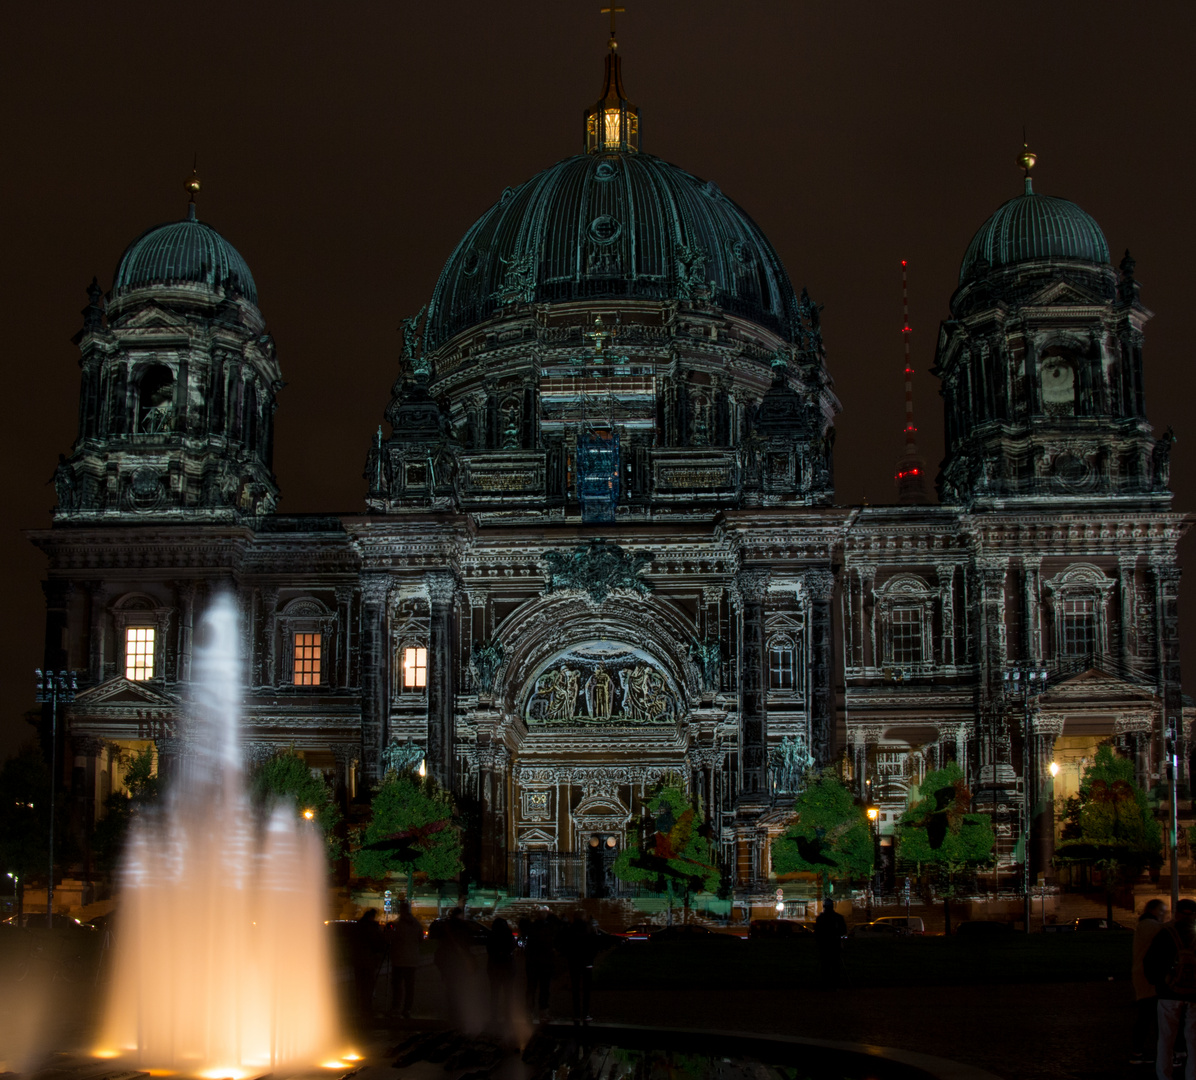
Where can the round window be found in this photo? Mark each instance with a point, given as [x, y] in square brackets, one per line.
[604, 229]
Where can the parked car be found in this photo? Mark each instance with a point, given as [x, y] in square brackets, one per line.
[983, 929]
[1100, 923]
[774, 928]
[640, 931]
[879, 929]
[911, 923]
[39, 920]
[692, 932]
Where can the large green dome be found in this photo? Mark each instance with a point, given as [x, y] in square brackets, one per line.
[1033, 226]
[611, 227]
[184, 252]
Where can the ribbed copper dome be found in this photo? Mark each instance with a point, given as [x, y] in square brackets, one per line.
[608, 227]
[1033, 226]
[184, 252]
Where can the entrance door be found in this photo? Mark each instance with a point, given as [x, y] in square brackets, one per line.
[601, 852]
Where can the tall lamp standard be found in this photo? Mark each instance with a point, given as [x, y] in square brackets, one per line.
[1172, 747]
[873, 813]
[1026, 683]
[54, 689]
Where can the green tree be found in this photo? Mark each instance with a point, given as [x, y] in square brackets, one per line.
[938, 830]
[142, 788]
[24, 817]
[830, 835]
[673, 853]
[411, 831]
[286, 777]
[1109, 824]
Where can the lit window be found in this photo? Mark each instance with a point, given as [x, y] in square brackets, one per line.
[906, 630]
[139, 653]
[780, 667]
[1079, 626]
[415, 668]
[307, 659]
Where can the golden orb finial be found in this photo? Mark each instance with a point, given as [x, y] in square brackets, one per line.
[1027, 158]
[193, 185]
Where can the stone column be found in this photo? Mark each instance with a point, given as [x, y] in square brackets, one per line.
[946, 578]
[1031, 610]
[344, 754]
[493, 761]
[374, 668]
[269, 610]
[1166, 611]
[97, 594]
[1047, 728]
[344, 622]
[1126, 572]
[187, 592]
[819, 587]
[1132, 732]
[441, 664]
[753, 586]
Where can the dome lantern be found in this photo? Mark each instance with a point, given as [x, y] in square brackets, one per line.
[612, 123]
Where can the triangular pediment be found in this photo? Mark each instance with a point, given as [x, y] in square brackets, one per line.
[1063, 292]
[122, 691]
[152, 317]
[1096, 685]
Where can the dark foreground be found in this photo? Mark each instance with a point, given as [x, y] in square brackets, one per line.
[1048, 1006]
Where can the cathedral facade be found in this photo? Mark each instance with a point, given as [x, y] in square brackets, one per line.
[600, 545]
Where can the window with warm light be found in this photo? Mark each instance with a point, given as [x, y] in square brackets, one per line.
[415, 668]
[308, 653]
[139, 653]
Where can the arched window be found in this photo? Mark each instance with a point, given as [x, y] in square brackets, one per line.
[1078, 598]
[1059, 379]
[155, 400]
[906, 605]
[782, 663]
[306, 628]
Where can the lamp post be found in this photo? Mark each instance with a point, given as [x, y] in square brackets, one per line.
[1026, 683]
[54, 688]
[1173, 780]
[873, 817]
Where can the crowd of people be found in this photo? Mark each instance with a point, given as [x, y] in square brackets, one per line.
[480, 985]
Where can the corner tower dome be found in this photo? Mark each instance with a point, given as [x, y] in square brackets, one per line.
[1032, 226]
[184, 252]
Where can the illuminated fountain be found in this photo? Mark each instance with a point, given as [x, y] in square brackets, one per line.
[222, 965]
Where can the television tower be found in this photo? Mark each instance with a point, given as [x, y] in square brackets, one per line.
[911, 468]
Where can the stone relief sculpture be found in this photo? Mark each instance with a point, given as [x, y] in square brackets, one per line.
[789, 763]
[602, 682]
[486, 659]
[401, 757]
[597, 569]
[707, 654]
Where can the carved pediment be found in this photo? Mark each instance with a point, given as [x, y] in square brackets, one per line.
[1063, 292]
[122, 691]
[151, 317]
[1095, 685]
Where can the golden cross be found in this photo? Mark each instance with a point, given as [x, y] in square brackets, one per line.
[612, 11]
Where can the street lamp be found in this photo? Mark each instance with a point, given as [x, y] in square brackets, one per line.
[54, 689]
[1172, 748]
[1026, 683]
[873, 813]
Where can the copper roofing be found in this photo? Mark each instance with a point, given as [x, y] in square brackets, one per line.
[1033, 226]
[187, 252]
[607, 227]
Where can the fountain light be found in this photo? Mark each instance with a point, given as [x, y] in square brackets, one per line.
[309, 813]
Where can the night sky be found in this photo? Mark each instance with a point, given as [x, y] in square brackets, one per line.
[345, 149]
